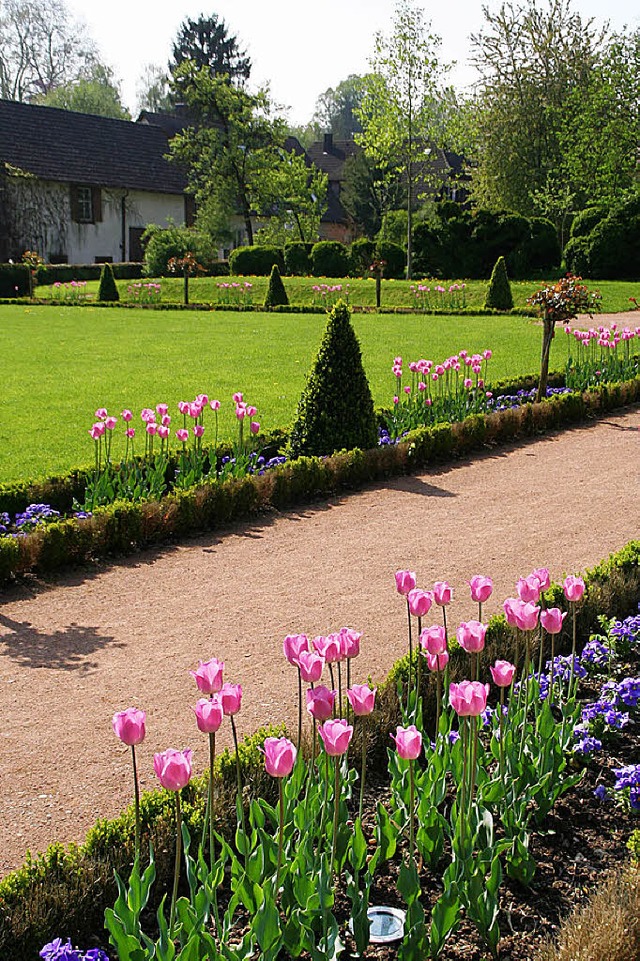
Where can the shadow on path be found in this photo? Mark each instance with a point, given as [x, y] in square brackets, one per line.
[65, 650]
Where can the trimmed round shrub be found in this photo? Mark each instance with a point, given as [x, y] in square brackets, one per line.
[499, 295]
[297, 258]
[395, 257]
[163, 243]
[255, 261]
[576, 256]
[107, 290]
[584, 222]
[329, 258]
[336, 408]
[614, 244]
[361, 254]
[497, 234]
[276, 294]
[542, 251]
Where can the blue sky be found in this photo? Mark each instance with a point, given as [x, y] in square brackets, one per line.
[301, 48]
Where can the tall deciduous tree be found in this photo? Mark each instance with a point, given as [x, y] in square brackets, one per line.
[336, 108]
[152, 90]
[399, 113]
[207, 43]
[41, 48]
[96, 93]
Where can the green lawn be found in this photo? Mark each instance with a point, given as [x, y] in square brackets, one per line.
[61, 363]
[395, 293]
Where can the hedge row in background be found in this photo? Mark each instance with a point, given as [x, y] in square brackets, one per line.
[14, 280]
[47, 274]
[327, 258]
[66, 890]
[605, 242]
[124, 528]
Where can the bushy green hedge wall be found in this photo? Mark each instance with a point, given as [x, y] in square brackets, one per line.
[14, 280]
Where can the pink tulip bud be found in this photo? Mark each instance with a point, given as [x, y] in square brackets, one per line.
[433, 639]
[443, 593]
[552, 619]
[544, 577]
[471, 636]
[574, 588]
[362, 699]
[166, 420]
[101, 413]
[214, 404]
[405, 581]
[152, 429]
[198, 430]
[231, 698]
[419, 602]
[173, 768]
[182, 434]
[126, 415]
[130, 432]
[241, 412]
[528, 589]
[129, 726]
[208, 676]
[183, 406]
[408, 742]
[293, 645]
[254, 427]
[350, 642]
[437, 662]
[202, 400]
[502, 673]
[329, 647]
[468, 698]
[336, 736]
[481, 588]
[237, 398]
[110, 422]
[209, 714]
[311, 666]
[320, 702]
[279, 756]
[251, 411]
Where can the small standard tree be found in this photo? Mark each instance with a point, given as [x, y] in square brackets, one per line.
[107, 289]
[336, 408]
[276, 293]
[561, 301]
[499, 296]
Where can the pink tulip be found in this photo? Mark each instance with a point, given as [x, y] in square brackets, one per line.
[173, 768]
[183, 406]
[528, 589]
[166, 420]
[130, 432]
[574, 588]
[202, 399]
[209, 714]
[311, 666]
[328, 647]
[251, 411]
[126, 415]
[552, 619]
[320, 701]
[101, 413]
[279, 756]
[163, 431]
[502, 673]
[183, 435]
[481, 588]
[198, 430]
[214, 404]
[336, 736]
[231, 698]
[527, 617]
[437, 662]
[148, 415]
[208, 676]
[293, 645]
[350, 642]
[471, 636]
[152, 429]
[237, 398]
[241, 412]
[510, 605]
[408, 742]
[543, 575]
[405, 581]
[433, 639]
[162, 409]
[468, 698]
[254, 427]
[129, 726]
[419, 602]
[97, 431]
[110, 422]
[362, 699]
[443, 593]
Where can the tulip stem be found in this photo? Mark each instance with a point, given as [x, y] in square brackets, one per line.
[419, 668]
[573, 649]
[438, 702]
[551, 669]
[474, 758]
[336, 812]
[339, 690]
[410, 655]
[280, 834]
[412, 806]
[212, 755]
[299, 708]
[176, 870]
[239, 780]
[364, 765]
[136, 796]
[501, 719]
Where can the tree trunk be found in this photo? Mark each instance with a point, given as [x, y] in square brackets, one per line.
[547, 337]
[186, 285]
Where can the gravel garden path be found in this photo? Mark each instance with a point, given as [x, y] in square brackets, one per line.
[74, 651]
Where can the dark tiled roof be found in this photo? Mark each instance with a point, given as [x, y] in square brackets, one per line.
[171, 123]
[70, 147]
[332, 159]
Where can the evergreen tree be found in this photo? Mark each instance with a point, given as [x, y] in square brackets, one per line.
[276, 293]
[499, 295]
[107, 289]
[336, 408]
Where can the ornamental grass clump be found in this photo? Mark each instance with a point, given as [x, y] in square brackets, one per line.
[336, 408]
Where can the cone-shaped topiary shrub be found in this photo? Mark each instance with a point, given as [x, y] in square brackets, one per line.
[499, 293]
[336, 408]
[276, 294]
[107, 289]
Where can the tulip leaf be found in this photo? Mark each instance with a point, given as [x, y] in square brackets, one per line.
[266, 926]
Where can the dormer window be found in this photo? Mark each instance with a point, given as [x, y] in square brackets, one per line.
[86, 204]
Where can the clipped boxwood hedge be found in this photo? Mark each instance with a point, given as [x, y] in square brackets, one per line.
[123, 528]
[14, 280]
[64, 273]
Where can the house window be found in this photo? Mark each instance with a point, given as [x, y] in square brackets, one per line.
[86, 204]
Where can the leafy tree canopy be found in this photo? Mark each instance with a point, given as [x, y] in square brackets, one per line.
[96, 93]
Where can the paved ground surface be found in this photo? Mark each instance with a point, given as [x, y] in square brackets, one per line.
[73, 652]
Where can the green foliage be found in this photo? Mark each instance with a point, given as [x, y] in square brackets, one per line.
[336, 108]
[276, 293]
[257, 261]
[96, 93]
[497, 234]
[14, 280]
[63, 273]
[542, 250]
[614, 243]
[329, 258]
[361, 254]
[336, 407]
[584, 221]
[297, 258]
[164, 243]
[499, 293]
[394, 256]
[576, 256]
[207, 44]
[107, 289]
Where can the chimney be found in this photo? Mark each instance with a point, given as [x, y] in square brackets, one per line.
[328, 143]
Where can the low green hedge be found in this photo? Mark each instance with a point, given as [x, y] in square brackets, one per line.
[14, 280]
[123, 528]
[66, 890]
[64, 273]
